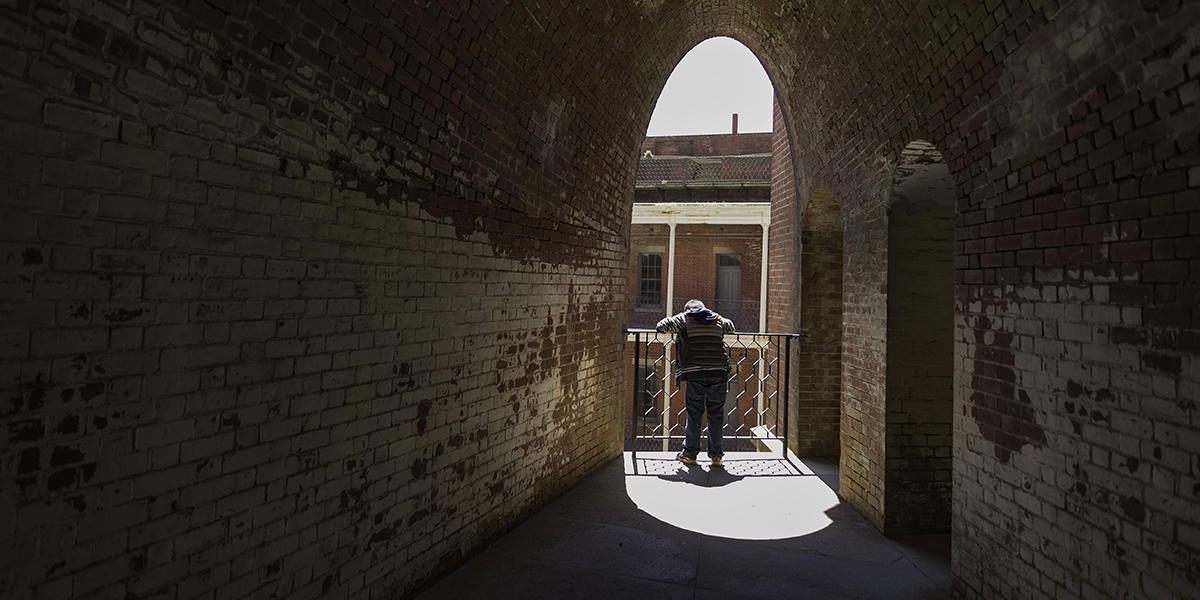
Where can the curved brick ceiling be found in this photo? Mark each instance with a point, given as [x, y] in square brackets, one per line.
[373, 254]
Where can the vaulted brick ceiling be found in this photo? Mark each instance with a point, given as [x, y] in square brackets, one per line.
[325, 295]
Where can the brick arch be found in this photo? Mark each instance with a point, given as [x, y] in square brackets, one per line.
[709, 19]
[374, 259]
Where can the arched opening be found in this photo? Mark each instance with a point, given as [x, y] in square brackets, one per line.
[344, 280]
[920, 348]
[714, 218]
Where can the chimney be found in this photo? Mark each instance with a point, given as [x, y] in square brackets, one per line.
[734, 123]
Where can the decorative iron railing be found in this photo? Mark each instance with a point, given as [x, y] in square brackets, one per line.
[756, 406]
[707, 170]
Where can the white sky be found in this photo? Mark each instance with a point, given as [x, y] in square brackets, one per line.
[715, 79]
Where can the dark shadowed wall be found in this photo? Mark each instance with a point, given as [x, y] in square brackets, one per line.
[313, 299]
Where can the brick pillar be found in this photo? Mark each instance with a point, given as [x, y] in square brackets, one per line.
[782, 266]
[864, 334]
[783, 275]
[817, 399]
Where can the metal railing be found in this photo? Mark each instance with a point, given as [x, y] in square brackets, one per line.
[756, 405]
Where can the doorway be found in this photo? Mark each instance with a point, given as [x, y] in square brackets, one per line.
[729, 286]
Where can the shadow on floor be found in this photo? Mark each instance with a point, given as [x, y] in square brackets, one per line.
[760, 528]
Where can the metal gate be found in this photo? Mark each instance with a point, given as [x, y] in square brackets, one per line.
[758, 390]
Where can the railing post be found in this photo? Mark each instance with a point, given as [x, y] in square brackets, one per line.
[787, 378]
[664, 416]
[761, 367]
[637, 362]
[773, 373]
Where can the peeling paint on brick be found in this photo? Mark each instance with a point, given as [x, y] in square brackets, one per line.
[482, 175]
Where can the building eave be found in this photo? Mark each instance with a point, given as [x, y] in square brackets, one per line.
[694, 213]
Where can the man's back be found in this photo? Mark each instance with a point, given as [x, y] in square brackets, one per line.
[699, 335]
[704, 364]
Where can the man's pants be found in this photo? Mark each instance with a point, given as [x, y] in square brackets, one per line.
[705, 395]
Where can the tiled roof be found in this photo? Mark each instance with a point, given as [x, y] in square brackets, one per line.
[704, 170]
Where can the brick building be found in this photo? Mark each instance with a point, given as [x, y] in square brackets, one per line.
[707, 197]
[701, 215]
[314, 299]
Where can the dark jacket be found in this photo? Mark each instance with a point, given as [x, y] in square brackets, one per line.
[699, 336]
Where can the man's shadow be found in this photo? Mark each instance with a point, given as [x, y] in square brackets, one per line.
[699, 476]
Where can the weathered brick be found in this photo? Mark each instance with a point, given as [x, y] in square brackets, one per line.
[125, 261]
[436, 214]
[55, 286]
[151, 87]
[85, 60]
[132, 208]
[74, 118]
[61, 342]
[125, 156]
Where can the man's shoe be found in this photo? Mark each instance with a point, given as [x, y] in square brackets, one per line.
[717, 461]
[683, 458]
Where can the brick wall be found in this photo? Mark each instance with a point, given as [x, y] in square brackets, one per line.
[783, 279]
[783, 266]
[315, 299]
[253, 343]
[864, 340]
[1076, 373]
[696, 249]
[819, 370]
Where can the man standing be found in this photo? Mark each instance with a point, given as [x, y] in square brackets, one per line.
[704, 365]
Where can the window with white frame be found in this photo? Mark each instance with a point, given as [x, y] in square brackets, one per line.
[649, 280]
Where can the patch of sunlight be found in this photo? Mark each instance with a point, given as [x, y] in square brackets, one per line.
[756, 497]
